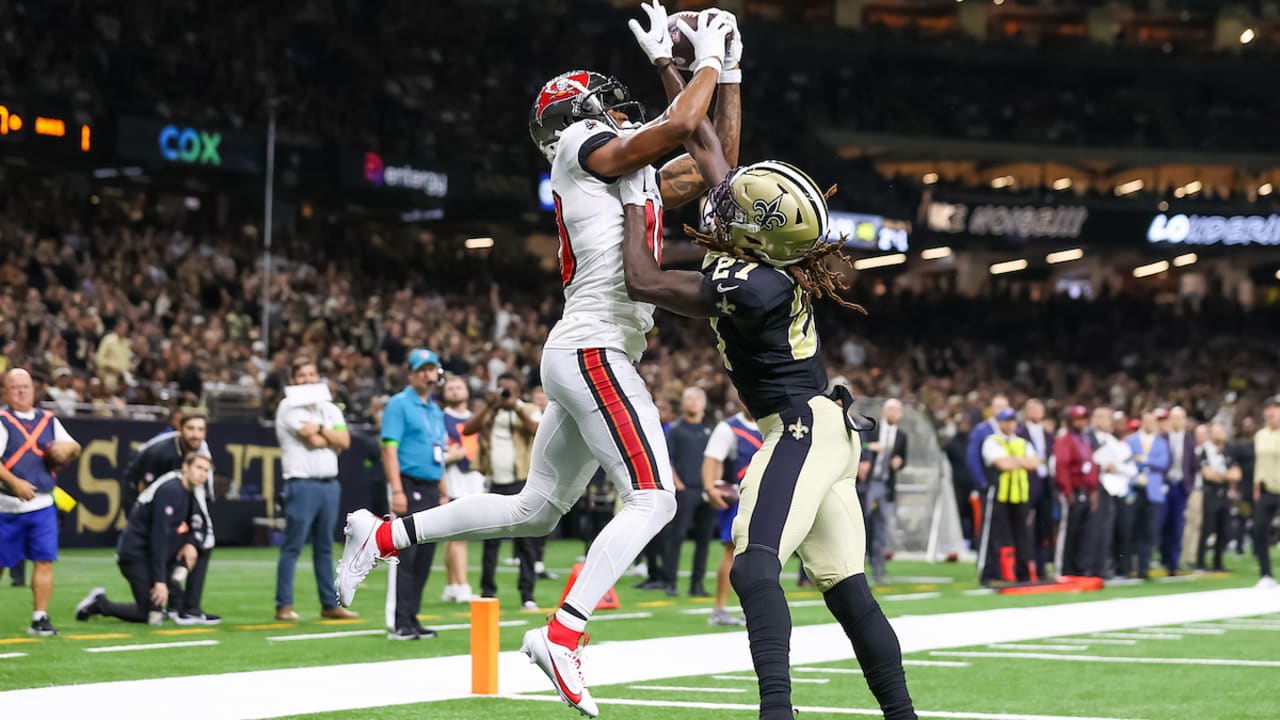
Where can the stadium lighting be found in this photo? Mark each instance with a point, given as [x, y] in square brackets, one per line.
[1131, 187]
[880, 261]
[1247, 36]
[1163, 206]
[935, 253]
[1003, 181]
[1062, 183]
[930, 178]
[1192, 187]
[1278, 274]
[1185, 259]
[1009, 266]
[1154, 268]
[1265, 189]
[998, 2]
[1062, 256]
[479, 243]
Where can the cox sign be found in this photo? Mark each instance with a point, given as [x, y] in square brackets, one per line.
[189, 145]
[1214, 229]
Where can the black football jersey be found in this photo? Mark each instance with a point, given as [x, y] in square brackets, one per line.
[765, 332]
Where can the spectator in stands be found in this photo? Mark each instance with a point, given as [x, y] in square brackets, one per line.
[33, 444]
[1221, 479]
[1009, 462]
[413, 454]
[1181, 481]
[1266, 488]
[155, 458]
[884, 455]
[311, 432]
[1035, 429]
[461, 479]
[61, 393]
[686, 444]
[155, 547]
[1152, 456]
[114, 357]
[506, 428]
[1077, 480]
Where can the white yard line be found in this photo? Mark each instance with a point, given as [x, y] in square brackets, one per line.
[1060, 648]
[8, 656]
[934, 663]
[910, 596]
[1236, 626]
[681, 688]
[620, 616]
[1093, 641]
[1184, 630]
[752, 678]
[381, 631]
[335, 688]
[1106, 659]
[1138, 636]
[827, 671]
[151, 646]
[947, 715]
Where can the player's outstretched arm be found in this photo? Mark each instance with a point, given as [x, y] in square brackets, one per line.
[627, 153]
[679, 291]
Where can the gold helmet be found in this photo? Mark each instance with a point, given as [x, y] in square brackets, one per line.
[772, 211]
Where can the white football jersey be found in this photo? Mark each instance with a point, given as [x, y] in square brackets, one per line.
[597, 311]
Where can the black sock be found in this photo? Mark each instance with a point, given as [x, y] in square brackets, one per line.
[755, 577]
[875, 644]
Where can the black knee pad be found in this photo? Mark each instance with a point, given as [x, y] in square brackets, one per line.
[753, 568]
[850, 599]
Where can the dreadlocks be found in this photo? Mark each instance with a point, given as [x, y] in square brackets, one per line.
[810, 272]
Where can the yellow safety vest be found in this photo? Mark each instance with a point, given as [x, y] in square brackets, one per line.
[1013, 486]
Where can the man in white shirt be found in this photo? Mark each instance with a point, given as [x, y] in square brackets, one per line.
[1006, 543]
[1110, 528]
[311, 432]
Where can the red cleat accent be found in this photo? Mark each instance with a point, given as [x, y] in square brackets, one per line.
[563, 636]
[386, 546]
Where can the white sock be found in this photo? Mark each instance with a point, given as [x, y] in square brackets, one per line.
[399, 535]
[643, 514]
[38, 615]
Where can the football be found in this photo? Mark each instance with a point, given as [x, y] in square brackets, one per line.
[728, 492]
[681, 49]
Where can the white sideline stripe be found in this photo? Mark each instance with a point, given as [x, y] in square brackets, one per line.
[949, 715]
[744, 678]
[1138, 636]
[1185, 630]
[6, 656]
[910, 596]
[681, 688]
[1094, 641]
[293, 691]
[919, 579]
[978, 592]
[151, 646]
[1109, 659]
[827, 671]
[620, 616]
[1060, 648]
[906, 663]
[381, 631]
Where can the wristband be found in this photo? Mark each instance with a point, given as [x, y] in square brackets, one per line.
[717, 63]
[731, 77]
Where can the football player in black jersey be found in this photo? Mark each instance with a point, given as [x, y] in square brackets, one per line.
[765, 267]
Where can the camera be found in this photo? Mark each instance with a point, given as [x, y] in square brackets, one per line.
[505, 393]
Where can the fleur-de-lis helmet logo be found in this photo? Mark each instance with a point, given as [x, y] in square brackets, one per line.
[767, 215]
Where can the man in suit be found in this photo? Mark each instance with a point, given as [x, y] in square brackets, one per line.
[1032, 430]
[1151, 453]
[1182, 484]
[886, 453]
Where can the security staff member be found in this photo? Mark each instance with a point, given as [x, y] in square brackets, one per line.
[1221, 476]
[413, 447]
[157, 545]
[311, 432]
[1006, 538]
[1266, 488]
[155, 458]
[30, 441]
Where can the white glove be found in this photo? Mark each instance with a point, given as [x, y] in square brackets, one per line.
[656, 41]
[732, 73]
[708, 40]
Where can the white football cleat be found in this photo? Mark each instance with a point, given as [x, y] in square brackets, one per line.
[563, 666]
[359, 554]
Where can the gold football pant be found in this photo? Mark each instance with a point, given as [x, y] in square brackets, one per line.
[799, 493]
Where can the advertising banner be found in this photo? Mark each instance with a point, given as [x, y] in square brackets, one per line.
[161, 143]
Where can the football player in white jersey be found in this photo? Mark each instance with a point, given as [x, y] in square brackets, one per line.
[600, 411]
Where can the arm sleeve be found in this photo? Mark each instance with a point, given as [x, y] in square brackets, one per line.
[159, 532]
[333, 417]
[720, 442]
[577, 142]
[392, 424]
[137, 468]
[59, 432]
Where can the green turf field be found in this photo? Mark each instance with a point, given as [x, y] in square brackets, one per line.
[241, 588]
